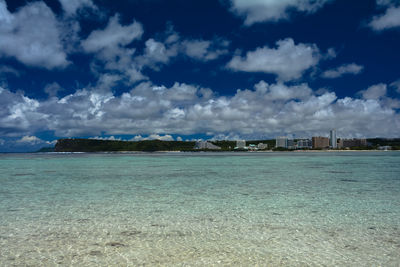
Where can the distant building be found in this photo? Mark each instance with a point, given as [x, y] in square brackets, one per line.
[262, 146]
[304, 143]
[252, 147]
[352, 142]
[240, 144]
[320, 142]
[290, 144]
[281, 141]
[332, 139]
[206, 145]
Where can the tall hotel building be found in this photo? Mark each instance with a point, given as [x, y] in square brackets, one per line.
[332, 139]
[281, 141]
[320, 142]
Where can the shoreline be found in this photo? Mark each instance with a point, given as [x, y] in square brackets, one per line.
[213, 152]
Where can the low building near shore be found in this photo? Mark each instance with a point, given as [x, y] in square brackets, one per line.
[262, 146]
[240, 144]
[303, 144]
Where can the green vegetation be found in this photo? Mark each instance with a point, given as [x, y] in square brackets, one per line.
[46, 149]
[393, 142]
[91, 145]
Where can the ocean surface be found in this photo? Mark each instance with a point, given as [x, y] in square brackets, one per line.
[200, 209]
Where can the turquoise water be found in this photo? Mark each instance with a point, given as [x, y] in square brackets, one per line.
[289, 209]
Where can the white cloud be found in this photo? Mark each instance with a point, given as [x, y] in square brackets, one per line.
[204, 50]
[71, 7]
[272, 10]
[288, 61]
[32, 140]
[114, 35]
[342, 70]
[375, 91]
[166, 137]
[390, 19]
[114, 50]
[110, 48]
[159, 137]
[31, 35]
[157, 112]
[110, 138]
[160, 52]
[157, 53]
[379, 92]
[19, 114]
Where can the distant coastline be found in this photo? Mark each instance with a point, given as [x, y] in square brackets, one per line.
[215, 152]
[116, 146]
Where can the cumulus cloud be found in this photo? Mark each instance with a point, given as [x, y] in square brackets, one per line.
[157, 53]
[389, 19]
[114, 35]
[110, 138]
[379, 92]
[31, 35]
[166, 137]
[161, 52]
[114, 50]
[19, 114]
[109, 45]
[288, 61]
[375, 91]
[157, 111]
[204, 50]
[343, 70]
[272, 10]
[32, 140]
[71, 7]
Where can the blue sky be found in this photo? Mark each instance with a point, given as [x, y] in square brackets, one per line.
[228, 69]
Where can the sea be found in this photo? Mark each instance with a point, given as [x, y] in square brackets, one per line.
[200, 209]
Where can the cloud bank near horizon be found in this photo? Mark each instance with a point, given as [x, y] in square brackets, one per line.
[183, 109]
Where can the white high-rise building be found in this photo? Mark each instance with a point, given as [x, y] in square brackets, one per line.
[332, 139]
[281, 141]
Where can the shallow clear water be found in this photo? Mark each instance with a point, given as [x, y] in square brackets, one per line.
[290, 209]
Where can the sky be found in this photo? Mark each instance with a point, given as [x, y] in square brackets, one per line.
[201, 69]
